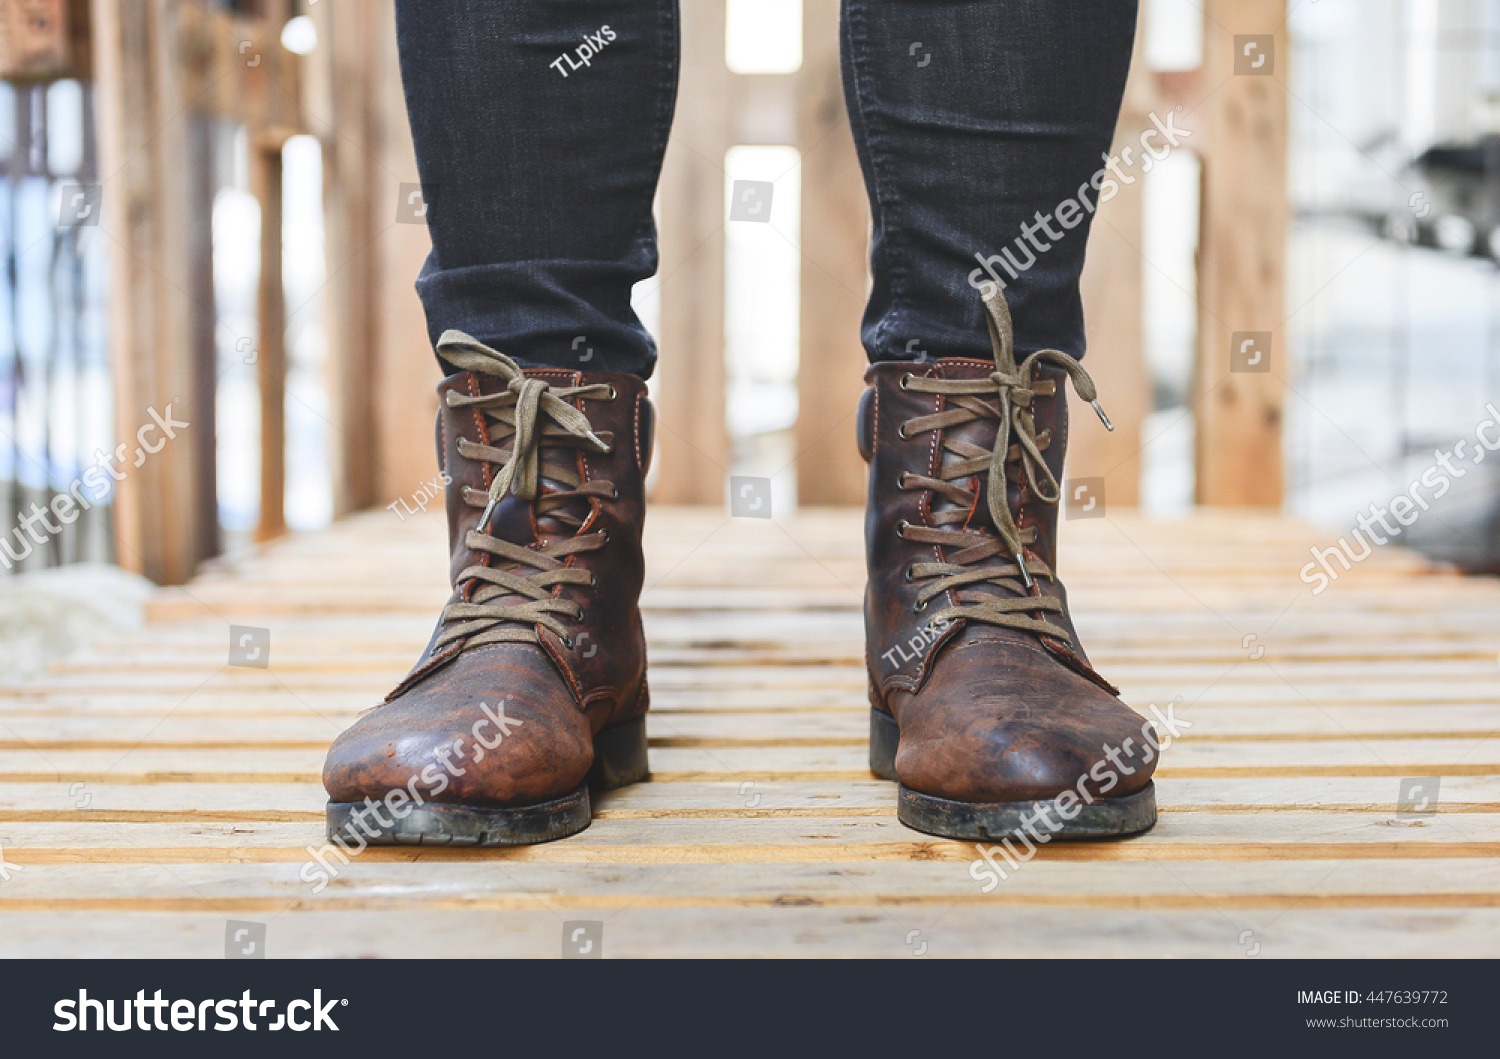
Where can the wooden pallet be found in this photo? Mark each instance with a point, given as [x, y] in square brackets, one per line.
[149, 792]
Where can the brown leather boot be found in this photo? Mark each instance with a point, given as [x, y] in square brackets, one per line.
[985, 707]
[533, 686]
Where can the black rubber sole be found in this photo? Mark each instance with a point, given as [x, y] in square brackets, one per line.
[977, 821]
[619, 759]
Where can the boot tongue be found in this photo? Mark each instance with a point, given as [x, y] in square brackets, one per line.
[518, 520]
[980, 433]
[549, 527]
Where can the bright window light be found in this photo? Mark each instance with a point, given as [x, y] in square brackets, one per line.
[1174, 34]
[763, 36]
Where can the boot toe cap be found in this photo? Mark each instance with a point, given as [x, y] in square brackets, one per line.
[989, 737]
[470, 734]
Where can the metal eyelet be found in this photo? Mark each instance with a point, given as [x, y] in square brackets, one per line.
[593, 581]
[919, 607]
[613, 393]
[614, 492]
[901, 481]
[908, 574]
[901, 432]
[605, 538]
[906, 378]
[901, 528]
[568, 642]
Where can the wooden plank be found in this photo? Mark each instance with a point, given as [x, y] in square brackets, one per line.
[788, 932]
[199, 790]
[807, 837]
[675, 726]
[122, 802]
[491, 881]
[787, 760]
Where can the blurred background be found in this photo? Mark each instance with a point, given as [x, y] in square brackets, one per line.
[212, 206]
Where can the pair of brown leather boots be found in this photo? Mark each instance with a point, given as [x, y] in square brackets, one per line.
[533, 688]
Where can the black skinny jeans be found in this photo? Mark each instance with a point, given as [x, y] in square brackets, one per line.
[539, 176]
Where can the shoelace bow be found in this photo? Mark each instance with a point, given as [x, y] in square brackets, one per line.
[531, 415]
[1012, 388]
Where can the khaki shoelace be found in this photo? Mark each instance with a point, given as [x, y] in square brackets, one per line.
[1011, 389]
[534, 417]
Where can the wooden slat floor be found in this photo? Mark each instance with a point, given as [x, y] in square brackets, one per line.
[149, 792]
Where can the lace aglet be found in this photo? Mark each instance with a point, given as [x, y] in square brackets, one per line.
[484, 519]
[1099, 411]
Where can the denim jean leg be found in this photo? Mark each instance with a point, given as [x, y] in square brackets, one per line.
[975, 119]
[539, 128]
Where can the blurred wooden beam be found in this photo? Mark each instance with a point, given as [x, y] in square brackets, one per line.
[406, 373]
[383, 378]
[240, 69]
[203, 436]
[265, 185]
[1113, 316]
[1238, 122]
[340, 104]
[36, 40]
[835, 267]
[692, 449]
[1242, 255]
[163, 69]
[145, 154]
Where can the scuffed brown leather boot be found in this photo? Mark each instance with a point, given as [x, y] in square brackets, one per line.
[533, 686]
[984, 705]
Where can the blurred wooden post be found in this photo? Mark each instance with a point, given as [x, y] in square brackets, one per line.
[1241, 257]
[162, 70]
[718, 109]
[692, 448]
[1239, 132]
[383, 378]
[203, 435]
[338, 105]
[1113, 315]
[265, 185]
[406, 373]
[140, 83]
[835, 256]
